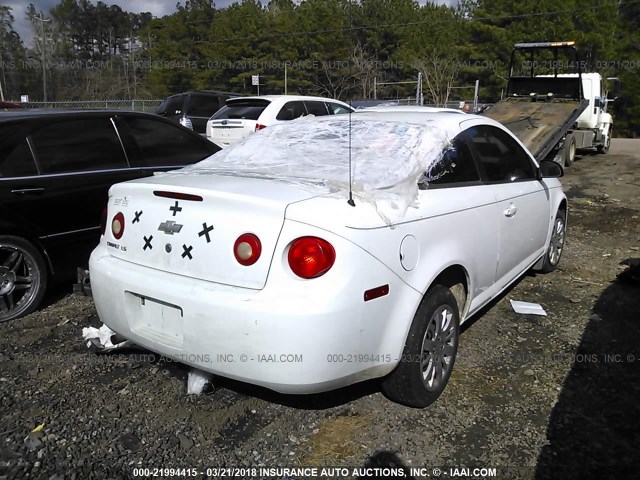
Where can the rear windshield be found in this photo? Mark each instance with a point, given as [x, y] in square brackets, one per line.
[244, 109]
[170, 105]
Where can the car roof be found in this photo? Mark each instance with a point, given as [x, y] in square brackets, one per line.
[283, 98]
[211, 92]
[449, 120]
[43, 113]
[409, 108]
[446, 120]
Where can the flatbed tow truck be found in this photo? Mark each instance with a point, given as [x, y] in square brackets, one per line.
[542, 103]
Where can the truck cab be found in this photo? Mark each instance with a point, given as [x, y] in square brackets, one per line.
[594, 126]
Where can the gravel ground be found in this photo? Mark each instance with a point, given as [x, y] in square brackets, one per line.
[536, 397]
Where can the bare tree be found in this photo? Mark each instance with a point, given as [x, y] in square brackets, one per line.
[365, 68]
[334, 79]
[439, 71]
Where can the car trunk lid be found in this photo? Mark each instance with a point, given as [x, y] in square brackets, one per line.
[187, 225]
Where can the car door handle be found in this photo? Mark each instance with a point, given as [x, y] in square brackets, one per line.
[511, 211]
[25, 191]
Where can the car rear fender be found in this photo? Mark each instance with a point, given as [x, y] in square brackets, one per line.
[355, 271]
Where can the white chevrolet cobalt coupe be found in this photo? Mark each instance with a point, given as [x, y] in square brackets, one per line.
[331, 250]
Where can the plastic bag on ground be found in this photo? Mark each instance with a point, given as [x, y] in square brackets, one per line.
[101, 339]
[197, 380]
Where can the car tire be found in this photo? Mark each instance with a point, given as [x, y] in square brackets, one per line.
[602, 149]
[569, 150]
[429, 352]
[556, 243]
[23, 277]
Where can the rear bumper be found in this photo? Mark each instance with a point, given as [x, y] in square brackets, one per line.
[291, 339]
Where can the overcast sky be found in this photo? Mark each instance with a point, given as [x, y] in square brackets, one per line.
[158, 8]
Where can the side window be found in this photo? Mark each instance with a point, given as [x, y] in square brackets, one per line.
[203, 105]
[17, 161]
[500, 156]
[336, 108]
[291, 110]
[455, 167]
[78, 145]
[163, 144]
[316, 108]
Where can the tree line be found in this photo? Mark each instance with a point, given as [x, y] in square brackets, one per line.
[347, 49]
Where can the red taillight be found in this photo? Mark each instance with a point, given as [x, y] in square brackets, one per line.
[103, 221]
[117, 225]
[259, 126]
[311, 257]
[247, 249]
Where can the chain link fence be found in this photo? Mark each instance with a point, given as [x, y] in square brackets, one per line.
[146, 105]
[150, 105]
[458, 104]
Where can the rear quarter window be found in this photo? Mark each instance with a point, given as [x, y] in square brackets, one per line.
[78, 145]
[316, 108]
[456, 167]
[336, 108]
[291, 111]
[161, 144]
[16, 160]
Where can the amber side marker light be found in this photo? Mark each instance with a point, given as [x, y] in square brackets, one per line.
[376, 292]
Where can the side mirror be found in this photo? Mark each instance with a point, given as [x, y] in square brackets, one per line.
[551, 169]
[614, 91]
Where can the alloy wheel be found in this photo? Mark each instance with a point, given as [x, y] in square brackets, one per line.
[557, 241]
[438, 348]
[16, 281]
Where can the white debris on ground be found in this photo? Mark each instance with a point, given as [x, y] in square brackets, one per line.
[101, 339]
[387, 158]
[197, 380]
[527, 308]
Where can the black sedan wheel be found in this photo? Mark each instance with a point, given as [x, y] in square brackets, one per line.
[23, 277]
[429, 352]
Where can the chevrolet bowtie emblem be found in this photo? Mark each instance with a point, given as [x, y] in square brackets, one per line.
[170, 227]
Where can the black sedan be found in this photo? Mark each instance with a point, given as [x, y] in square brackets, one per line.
[56, 168]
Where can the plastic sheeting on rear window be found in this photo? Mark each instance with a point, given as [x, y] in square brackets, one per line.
[387, 157]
